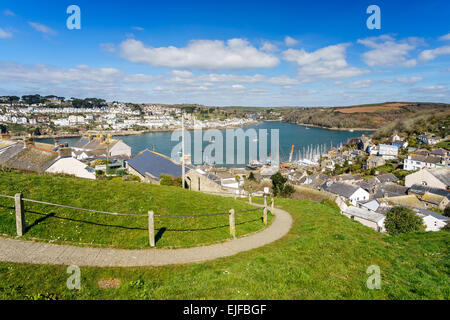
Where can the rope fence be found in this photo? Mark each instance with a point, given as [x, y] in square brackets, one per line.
[21, 226]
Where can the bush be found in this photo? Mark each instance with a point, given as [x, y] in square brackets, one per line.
[402, 220]
[166, 180]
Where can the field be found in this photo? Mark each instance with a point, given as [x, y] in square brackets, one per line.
[371, 109]
[60, 225]
[324, 256]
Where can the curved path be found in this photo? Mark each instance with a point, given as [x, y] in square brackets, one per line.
[19, 251]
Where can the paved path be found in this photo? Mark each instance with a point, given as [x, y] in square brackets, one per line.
[19, 251]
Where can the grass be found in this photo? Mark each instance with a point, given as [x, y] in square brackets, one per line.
[70, 226]
[324, 256]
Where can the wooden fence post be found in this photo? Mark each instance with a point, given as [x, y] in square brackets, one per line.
[265, 201]
[151, 228]
[272, 205]
[265, 216]
[232, 224]
[20, 216]
[250, 198]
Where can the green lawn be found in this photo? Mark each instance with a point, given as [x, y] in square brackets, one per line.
[324, 256]
[61, 225]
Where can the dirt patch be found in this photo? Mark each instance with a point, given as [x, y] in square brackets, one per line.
[109, 284]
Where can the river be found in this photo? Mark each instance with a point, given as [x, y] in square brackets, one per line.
[307, 140]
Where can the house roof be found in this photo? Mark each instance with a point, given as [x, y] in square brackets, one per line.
[343, 189]
[432, 198]
[433, 214]
[419, 189]
[6, 143]
[408, 201]
[155, 164]
[425, 159]
[388, 177]
[442, 174]
[32, 158]
[10, 152]
[364, 214]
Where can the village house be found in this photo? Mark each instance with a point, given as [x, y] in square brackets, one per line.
[436, 178]
[388, 152]
[352, 193]
[149, 166]
[102, 146]
[433, 221]
[366, 217]
[430, 139]
[417, 162]
[199, 180]
[432, 200]
[375, 161]
[72, 166]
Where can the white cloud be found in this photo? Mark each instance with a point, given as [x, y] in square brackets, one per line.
[388, 52]
[138, 28]
[445, 37]
[42, 28]
[39, 73]
[328, 62]
[108, 47]
[409, 79]
[359, 84]
[269, 47]
[9, 13]
[428, 55]
[5, 34]
[200, 54]
[290, 41]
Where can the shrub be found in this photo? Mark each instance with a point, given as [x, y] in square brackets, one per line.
[402, 220]
[166, 180]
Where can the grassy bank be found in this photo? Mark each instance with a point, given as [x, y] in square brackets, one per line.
[62, 225]
[324, 256]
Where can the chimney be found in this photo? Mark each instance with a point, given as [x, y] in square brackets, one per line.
[65, 152]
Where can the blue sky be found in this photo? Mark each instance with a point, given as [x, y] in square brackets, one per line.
[256, 53]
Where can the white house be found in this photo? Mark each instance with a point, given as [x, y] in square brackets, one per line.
[72, 166]
[432, 220]
[388, 151]
[366, 217]
[349, 192]
[417, 162]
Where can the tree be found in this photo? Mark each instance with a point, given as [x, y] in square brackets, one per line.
[3, 128]
[279, 186]
[251, 177]
[402, 220]
[447, 211]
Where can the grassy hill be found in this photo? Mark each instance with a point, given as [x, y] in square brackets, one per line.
[62, 225]
[373, 116]
[324, 256]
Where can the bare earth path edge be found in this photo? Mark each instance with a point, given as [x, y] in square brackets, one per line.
[19, 251]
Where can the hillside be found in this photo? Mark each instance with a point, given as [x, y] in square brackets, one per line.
[324, 256]
[372, 116]
[60, 225]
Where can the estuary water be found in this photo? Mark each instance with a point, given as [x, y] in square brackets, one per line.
[308, 141]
